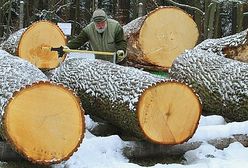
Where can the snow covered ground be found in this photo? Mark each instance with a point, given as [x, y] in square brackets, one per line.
[106, 152]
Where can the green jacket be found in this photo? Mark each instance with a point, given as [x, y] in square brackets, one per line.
[111, 40]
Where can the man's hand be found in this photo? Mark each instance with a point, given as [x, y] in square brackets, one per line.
[120, 55]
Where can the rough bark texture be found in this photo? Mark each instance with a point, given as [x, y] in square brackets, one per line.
[144, 149]
[233, 47]
[7, 154]
[14, 74]
[10, 45]
[153, 39]
[221, 83]
[29, 44]
[32, 107]
[110, 91]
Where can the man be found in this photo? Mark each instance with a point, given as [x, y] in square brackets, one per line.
[104, 35]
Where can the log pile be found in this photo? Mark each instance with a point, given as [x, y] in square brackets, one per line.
[32, 109]
[156, 39]
[148, 107]
[222, 83]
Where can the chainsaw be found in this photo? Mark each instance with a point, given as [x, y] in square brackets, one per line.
[61, 51]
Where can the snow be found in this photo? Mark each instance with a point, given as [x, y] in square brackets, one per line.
[104, 79]
[106, 152]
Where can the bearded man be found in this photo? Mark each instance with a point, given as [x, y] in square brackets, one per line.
[103, 34]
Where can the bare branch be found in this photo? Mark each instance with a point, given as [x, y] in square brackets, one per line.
[186, 6]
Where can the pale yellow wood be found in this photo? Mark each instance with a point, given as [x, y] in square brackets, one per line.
[41, 34]
[44, 122]
[169, 113]
[165, 34]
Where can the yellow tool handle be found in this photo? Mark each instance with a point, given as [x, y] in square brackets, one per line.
[81, 51]
[89, 52]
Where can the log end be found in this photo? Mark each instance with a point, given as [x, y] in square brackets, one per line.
[165, 34]
[169, 113]
[44, 122]
[41, 34]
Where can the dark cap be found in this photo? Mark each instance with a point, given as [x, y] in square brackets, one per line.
[99, 15]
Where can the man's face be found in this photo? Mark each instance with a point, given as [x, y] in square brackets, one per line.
[101, 26]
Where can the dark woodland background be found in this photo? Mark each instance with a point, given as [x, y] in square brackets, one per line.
[215, 18]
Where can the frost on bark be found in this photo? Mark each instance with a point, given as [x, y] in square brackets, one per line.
[233, 47]
[156, 39]
[33, 44]
[144, 105]
[221, 83]
[10, 45]
[33, 108]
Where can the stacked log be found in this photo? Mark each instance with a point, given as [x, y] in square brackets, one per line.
[148, 107]
[234, 47]
[28, 44]
[156, 39]
[222, 83]
[10, 45]
[32, 109]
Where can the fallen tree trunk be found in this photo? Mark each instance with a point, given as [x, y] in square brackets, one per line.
[162, 111]
[234, 47]
[7, 154]
[10, 45]
[33, 108]
[28, 44]
[156, 39]
[221, 83]
[144, 149]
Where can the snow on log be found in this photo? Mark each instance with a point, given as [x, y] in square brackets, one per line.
[32, 109]
[10, 45]
[27, 44]
[233, 47]
[162, 111]
[156, 39]
[146, 149]
[221, 83]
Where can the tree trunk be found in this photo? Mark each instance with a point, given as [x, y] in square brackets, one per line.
[221, 83]
[233, 47]
[28, 43]
[145, 149]
[10, 45]
[7, 154]
[146, 106]
[158, 38]
[33, 108]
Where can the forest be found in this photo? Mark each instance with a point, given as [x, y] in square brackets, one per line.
[215, 18]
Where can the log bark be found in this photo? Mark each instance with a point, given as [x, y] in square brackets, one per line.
[234, 47]
[156, 39]
[221, 83]
[7, 154]
[33, 108]
[142, 104]
[27, 43]
[144, 149]
[10, 45]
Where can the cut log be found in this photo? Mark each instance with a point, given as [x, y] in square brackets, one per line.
[27, 44]
[233, 47]
[7, 154]
[159, 37]
[146, 149]
[10, 45]
[221, 83]
[32, 108]
[162, 111]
